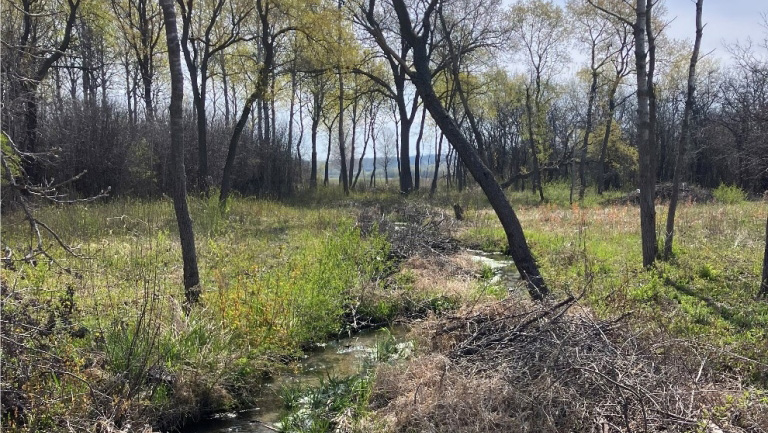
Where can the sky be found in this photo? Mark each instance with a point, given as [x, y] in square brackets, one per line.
[726, 22]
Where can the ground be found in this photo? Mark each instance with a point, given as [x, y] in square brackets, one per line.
[103, 338]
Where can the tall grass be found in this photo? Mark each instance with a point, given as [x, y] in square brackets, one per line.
[275, 278]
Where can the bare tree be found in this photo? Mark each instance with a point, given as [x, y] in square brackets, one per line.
[27, 62]
[141, 28]
[201, 41]
[418, 38]
[186, 235]
[541, 28]
[646, 110]
[684, 133]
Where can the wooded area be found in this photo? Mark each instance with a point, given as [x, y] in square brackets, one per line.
[89, 82]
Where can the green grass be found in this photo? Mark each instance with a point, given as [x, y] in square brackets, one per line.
[275, 277]
[707, 292]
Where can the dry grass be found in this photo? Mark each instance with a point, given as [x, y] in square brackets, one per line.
[515, 366]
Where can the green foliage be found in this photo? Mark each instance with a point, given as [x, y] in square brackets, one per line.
[10, 157]
[621, 158]
[729, 194]
[486, 272]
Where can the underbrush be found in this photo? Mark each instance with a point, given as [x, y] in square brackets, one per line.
[101, 342]
[516, 366]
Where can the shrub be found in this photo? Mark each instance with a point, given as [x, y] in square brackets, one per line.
[729, 194]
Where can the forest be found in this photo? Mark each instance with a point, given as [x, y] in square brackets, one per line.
[381, 216]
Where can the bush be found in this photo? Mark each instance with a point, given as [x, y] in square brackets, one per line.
[729, 194]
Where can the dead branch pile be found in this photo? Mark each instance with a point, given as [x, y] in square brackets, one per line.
[518, 367]
[688, 194]
[411, 229]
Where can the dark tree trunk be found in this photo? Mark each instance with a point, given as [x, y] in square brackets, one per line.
[606, 138]
[645, 143]
[373, 172]
[404, 150]
[225, 84]
[328, 155]
[189, 255]
[342, 153]
[352, 149]
[433, 187]
[417, 161]
[202, 143]
[684, 135]
[313, 162]
[291, 116]
[226, 178]
[536, 184]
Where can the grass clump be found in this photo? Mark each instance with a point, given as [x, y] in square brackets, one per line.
[340, 403]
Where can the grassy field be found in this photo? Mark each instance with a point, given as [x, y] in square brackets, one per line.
[103, 337]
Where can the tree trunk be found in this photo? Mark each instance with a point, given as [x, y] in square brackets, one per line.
[328, 155]
[342, 152]
[352, 149]
[189, 256]
[313, 162]
[606, 137]
[417, 161]
[587, 130]
[684, 135]
[536, 184]
[291, 117]
[373, 172]
[433, 187]
[226, 178]
[645, 148]
[422, 79]
[406, 177]
[225, 84]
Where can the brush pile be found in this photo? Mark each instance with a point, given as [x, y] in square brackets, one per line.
[411, 230]
[687, 194]
[523, 367]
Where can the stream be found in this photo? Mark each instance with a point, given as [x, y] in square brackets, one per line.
[342, 357]
[339, 358]
[502, 266]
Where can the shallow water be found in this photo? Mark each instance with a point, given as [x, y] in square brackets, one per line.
[343, 357]
[504, 270]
